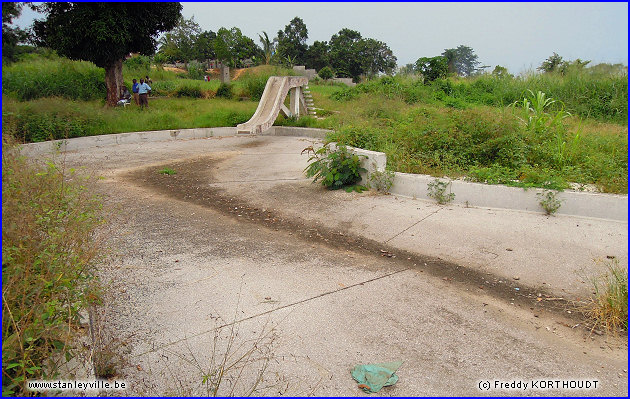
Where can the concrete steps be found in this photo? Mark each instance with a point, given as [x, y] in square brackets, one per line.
[308, 99]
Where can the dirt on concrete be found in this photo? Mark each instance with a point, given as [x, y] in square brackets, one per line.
[198, 252]
[193, 184]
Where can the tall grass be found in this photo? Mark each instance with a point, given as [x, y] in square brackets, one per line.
[49, 118]
[49, 246]
[59, 77]
[485, 144]
[609, 306]
[603, 97]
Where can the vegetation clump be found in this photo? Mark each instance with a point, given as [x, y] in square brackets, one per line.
[437, 190]
[338, 168]
[608, 308]
[50, 244]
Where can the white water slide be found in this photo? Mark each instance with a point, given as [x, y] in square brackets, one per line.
[272, 102]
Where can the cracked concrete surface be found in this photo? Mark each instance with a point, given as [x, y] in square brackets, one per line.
[187, 278]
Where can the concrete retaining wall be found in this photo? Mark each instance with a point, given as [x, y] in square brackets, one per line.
[606, 206]
[125, 138]
[346, 81]
[309, 73]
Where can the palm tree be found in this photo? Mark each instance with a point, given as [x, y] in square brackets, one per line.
[268, 47]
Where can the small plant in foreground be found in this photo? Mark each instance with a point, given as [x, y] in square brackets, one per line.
[437, 190]
[381, 181]
[167, 171]
[549, 201]
[609, 306]
[535, 115]
[336, 169]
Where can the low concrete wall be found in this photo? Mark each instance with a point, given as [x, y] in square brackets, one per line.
[346, 81]
[606, 206]
[301, 69]
[125, 138]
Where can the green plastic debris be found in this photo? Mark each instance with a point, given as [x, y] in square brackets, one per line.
[373, 377]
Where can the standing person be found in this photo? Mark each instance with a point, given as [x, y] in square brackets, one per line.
[148, 80]
[134, 91]
[143, 90]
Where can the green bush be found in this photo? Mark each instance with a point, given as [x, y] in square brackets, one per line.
[335, 168]
[141, 64]
[164, 87]
[196, 70]
[584, 93]
[225, 91]
[254, 86]
[188, 91]
[326, 73]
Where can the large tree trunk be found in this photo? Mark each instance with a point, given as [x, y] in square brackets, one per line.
[114, 82]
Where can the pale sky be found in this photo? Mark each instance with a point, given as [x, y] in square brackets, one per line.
[519, 36]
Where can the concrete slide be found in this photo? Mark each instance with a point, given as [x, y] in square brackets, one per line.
[271, 103]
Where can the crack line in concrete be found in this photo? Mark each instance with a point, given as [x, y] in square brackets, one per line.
[396, 235]
[273, 310]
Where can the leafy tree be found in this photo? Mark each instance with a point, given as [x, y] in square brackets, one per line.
[268, 47]
[179, 43]
[432, 68]
[461, 60]
[450, 54]
[292, 41]
[570, 66]
[501, 72]
[351, 55]
[606, 69]
[326, 73]
[11, 36]
[551, 64]
[232, 47]
[344, 50]
[204, 45]
[317, 56]
[407, 69]
[376, 57]
[104, 33]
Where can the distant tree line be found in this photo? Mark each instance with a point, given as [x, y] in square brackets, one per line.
[106, 33]
[347, 54]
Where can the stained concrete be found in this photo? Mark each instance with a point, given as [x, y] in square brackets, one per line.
[183, 272]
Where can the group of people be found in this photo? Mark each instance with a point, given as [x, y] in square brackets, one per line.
[139, 92]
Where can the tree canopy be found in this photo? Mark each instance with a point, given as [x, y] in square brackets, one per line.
[432, 68]
[351, 55]
[180, 43]
[232, 47]
[317, 55]
[105, 33]
[11, 35]
[292, 41]
[461, 60]
[551, 63]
